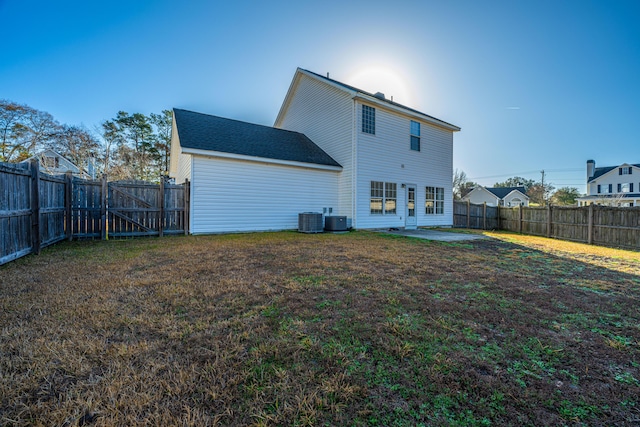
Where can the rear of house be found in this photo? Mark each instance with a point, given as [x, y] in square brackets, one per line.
[334, 149]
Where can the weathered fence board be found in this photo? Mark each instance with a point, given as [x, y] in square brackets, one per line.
[37, 210]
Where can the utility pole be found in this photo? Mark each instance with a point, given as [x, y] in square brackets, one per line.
[544, 189]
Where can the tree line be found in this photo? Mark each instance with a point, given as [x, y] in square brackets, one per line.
[128, 146]
[540, 193]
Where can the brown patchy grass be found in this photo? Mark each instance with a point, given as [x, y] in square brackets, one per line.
[293, 329]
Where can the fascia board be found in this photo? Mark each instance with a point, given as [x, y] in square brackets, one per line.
[232, 156]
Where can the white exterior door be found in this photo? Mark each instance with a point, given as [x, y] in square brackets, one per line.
[410, 211]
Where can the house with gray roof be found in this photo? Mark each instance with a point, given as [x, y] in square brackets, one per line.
[612, 185]
[333, 149]
[498, 196]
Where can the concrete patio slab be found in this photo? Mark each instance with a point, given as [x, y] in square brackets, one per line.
[443, 236]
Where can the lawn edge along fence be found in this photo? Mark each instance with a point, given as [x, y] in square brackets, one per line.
[593, 224]
[38, 210]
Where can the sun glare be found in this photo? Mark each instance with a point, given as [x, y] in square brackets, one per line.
[381, 79]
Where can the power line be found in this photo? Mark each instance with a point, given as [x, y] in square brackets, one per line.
[528, 173]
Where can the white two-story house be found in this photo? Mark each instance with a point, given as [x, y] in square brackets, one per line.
[612, 185]
[333, 149]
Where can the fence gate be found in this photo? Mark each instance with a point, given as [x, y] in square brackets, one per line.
[133, 209]
[138, 208]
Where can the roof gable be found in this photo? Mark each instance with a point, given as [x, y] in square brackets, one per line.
[502, 192]
[212, 133]
[479, 189]
[598, 172]
[369, 97]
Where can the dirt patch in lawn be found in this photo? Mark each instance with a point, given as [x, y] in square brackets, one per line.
[294, 329]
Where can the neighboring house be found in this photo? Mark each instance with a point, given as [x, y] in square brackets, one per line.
[612, 185]
[498, 196]
[55, 163]
[333, 149]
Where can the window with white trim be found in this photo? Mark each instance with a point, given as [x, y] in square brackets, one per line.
[368, 119]
[434, 201]
[383, 198]
[415, 136]
[390, 195]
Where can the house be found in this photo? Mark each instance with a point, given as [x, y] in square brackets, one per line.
[54, 163]
[612, 185]
[333, 149]
[498, 196]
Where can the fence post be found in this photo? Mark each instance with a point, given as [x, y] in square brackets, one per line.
[104, 235]
[35, 206]
[520, 222]
[484, 216]
[161, 219]
[590, 225]
[187, 202]
[68, 194]
[549, 220]
[499, 225]
[468, 213]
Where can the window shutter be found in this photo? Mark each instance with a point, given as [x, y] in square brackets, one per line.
[610, 188]
[599, 189]
[619, 188]
[631, 187]
[619, 171]
[630, 170]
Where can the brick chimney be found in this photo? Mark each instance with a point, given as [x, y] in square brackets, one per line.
[591, 169]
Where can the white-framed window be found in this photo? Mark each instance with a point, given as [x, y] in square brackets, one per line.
[625, 171]
[415, 136]
[390, 196]
[627, 187]
[368, 119]
[434, 201]
[51, 162]
[383, 198]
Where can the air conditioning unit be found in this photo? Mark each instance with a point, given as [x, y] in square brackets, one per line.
[310, 222]
[335, 223]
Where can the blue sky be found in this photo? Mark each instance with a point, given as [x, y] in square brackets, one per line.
[533, 84]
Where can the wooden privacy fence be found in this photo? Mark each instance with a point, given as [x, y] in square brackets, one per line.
[469, 215]
[37, 210]
[593, 224]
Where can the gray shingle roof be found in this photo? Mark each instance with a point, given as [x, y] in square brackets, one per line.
[598, 172]
[213, 133]
[501, 192]
[388, 101]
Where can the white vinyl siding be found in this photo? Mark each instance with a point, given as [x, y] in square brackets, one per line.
[325, 114]
[234, 195]
[387, 157]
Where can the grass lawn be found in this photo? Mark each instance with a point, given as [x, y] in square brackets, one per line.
[334, 329]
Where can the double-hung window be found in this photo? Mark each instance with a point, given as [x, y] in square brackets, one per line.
[390, 195]
[383, 198]
[368, 119]
[434, 201]
[415, 136]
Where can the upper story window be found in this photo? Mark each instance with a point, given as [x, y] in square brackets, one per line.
[51, 162]
[625, 171]
[415, 136]
[368, 119]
